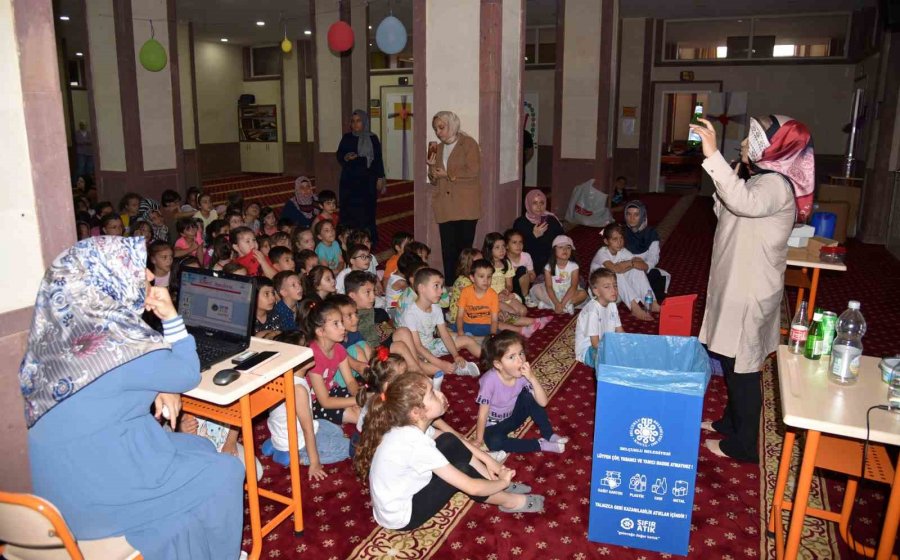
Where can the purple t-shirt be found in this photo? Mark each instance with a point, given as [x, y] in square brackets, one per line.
[499, 396]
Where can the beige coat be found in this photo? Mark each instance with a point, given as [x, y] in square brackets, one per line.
[458, 197]
[746, 277]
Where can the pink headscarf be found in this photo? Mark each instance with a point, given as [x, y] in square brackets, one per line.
[786, 147]
[533, 195]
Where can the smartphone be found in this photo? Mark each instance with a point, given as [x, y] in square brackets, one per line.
[256, 360]
[432, 149]
[243, 356]
[694, 138]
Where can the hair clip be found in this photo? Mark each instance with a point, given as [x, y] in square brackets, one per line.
[383, 354]
[313, 304]
[382, 397]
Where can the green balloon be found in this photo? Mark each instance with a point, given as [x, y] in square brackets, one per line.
[153, 56]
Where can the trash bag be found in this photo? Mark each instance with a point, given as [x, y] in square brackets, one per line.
[587, 206]
[674, 364]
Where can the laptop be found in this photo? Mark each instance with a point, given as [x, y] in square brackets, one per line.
[218, 310]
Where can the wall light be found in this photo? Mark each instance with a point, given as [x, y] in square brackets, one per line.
[79, 54]
[260, 23]
[224, 39]
[307, 32]
[63, 18]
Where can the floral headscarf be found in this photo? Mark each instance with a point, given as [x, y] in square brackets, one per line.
[786, 147]
[305, 203]
[87, 321]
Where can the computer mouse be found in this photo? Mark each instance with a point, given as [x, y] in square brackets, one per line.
[226, 376]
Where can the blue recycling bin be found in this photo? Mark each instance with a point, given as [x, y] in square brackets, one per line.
[646, 438]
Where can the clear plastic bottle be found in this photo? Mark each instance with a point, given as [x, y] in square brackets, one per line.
[799, 330]
[648, 299]
[848, 348]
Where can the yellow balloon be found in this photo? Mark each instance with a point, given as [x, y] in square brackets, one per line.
[287, 45]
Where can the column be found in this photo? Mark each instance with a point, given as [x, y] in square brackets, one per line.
[137, 111]
[38, 209]
[584, 86]
[468, 59]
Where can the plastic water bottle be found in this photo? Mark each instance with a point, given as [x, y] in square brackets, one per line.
[799, 330]
[438, 380]
[648, 299]
[848, 348]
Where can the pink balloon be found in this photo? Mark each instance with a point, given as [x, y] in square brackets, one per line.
[340, 36]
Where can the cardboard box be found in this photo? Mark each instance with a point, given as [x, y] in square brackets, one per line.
[841, 210]
[815, 244]
[842, 193]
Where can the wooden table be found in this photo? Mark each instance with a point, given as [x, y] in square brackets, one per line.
[798, 257]
[834, 417]
[256, 392]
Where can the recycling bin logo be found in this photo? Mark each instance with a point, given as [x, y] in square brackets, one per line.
[646, 432]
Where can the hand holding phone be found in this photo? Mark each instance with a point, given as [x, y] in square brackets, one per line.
[432, 150]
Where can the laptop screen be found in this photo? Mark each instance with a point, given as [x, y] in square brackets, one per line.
[216, 301]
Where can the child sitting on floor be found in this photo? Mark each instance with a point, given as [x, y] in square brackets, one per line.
[190, 240]
[521, 262]
[414, 469]
[325, 326]
[632, 282]
[397, 283]
[425, 316]
[290, 291]
[358, 258]
[510, 394]
[243, 242]
[282, 258]
[319, 282]
[267, 323]
[319, 442]
[328, 249]
[560, 290]
[398, 244]
[358, 351]
[479, 308]
[463, 271]
[598, 316]
[329, 203]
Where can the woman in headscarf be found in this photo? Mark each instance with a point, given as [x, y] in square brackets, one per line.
[746, 278]
[642, 242]
[301, 209]
[148, 211]
[454, 168]
[91, 370]
[362, 175]
[539, 227]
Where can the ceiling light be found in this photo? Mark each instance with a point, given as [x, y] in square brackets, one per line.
[79, 54]
[75, 84]
[307, 32]
[63, 18]
[370, 27]
[224, 39]
[260, 23]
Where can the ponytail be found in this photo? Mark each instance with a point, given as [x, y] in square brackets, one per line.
[389, 409]
[495, 346]
[383, 367]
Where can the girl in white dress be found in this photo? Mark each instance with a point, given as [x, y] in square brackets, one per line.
[632, 282]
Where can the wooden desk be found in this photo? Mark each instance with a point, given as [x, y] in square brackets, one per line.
[256, 392]
[798, 257]
[834, 418]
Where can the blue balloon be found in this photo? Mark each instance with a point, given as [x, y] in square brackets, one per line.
[390, 35]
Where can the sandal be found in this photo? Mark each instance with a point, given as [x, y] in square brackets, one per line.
[534, 503]
[518, 488]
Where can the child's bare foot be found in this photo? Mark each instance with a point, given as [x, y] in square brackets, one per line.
[639, 312]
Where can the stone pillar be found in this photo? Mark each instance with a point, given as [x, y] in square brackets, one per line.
[40, 218]
[468, 59]
[137, 111]
[359, 56]
[584, 86]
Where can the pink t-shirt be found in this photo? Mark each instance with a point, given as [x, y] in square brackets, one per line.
[524, 260]
[326, 367]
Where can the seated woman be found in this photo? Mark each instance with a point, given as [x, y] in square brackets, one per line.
[90, 373]
[642, 242]
[538, 228]
[302, 207]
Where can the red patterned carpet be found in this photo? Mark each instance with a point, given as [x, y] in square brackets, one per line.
[731, 499]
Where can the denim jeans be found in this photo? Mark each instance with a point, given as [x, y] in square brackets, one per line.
[333, 447]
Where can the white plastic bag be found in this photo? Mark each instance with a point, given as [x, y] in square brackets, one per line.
[587, 206]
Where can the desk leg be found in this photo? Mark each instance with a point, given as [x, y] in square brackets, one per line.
[776, 523]
[891, 521]
[813, 290]
[291, 405]
[252, 488]
[801, 501]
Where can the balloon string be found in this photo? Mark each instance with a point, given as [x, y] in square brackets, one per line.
[152, 31]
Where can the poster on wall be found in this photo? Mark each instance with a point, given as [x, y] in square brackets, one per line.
[531, 125]
[396, 131]
[727, 112]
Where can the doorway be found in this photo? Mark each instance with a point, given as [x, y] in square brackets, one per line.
[679, 161]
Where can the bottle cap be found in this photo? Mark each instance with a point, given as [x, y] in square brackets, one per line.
[853, 304]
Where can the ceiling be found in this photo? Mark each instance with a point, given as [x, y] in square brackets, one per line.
[236, 19]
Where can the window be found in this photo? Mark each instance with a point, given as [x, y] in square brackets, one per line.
[265, 62]
[763, 37]
[540, 45]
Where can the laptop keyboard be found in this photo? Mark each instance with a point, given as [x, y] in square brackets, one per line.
[212, 353]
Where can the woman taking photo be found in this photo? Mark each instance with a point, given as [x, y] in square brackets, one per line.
[91, 370]
[362, 175]
[539, 228]
[454, 166]
[756, 204]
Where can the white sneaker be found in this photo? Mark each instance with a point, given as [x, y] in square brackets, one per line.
[470, 369]
[498, 456]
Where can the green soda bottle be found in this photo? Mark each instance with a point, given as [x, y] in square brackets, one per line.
[813, 350]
